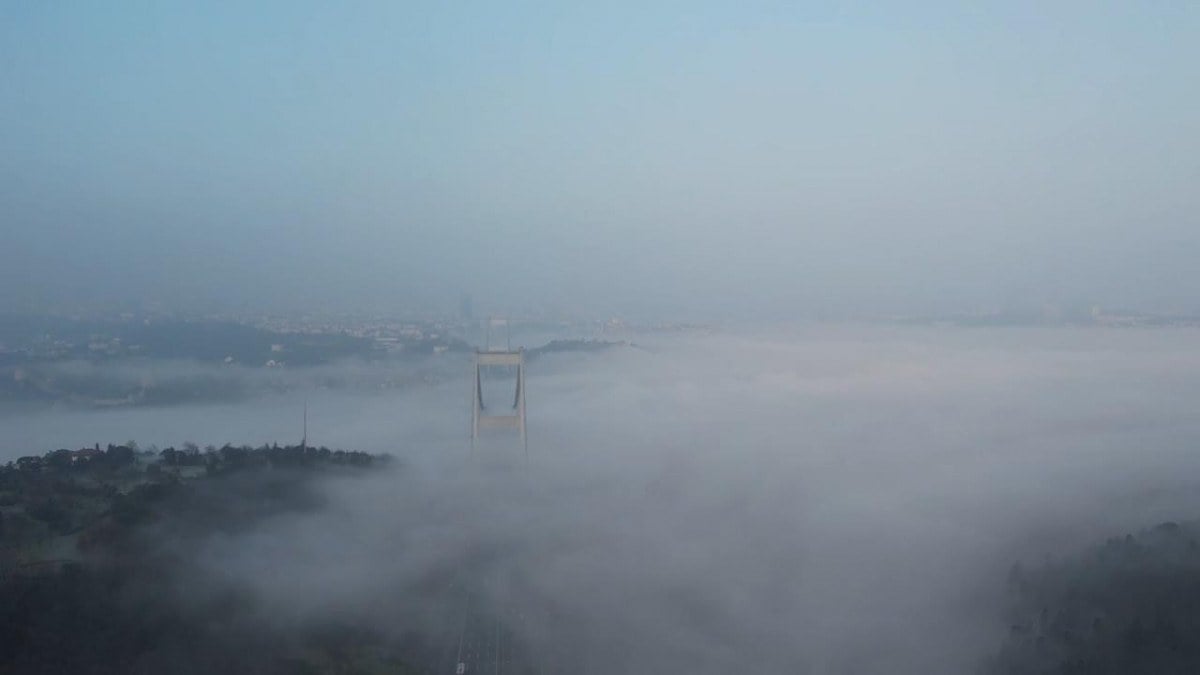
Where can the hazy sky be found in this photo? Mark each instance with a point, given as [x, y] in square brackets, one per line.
[747, 159]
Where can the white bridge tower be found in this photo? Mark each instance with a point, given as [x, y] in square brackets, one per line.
[512, 418]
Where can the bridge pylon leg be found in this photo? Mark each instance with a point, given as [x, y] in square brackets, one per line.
[480, 419]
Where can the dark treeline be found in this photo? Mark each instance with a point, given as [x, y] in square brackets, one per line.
[98, 572]
[574, 345]
[1131, 605]
[66, 492]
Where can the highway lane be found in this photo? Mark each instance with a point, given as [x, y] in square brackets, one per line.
[484, 642]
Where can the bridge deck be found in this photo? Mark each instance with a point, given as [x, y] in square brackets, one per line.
[499, 358]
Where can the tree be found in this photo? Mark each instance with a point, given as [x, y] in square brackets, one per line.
[51, 512]
[59, 460]
[119, 455]
[29, 464]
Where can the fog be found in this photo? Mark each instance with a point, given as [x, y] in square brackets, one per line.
[822, 499]
[827, 481]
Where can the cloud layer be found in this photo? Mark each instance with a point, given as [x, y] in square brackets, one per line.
[822, 500]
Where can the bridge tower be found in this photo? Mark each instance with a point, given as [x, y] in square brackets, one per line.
[509, 359]
[513, 418]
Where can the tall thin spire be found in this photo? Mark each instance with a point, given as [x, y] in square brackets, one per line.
[304, 439]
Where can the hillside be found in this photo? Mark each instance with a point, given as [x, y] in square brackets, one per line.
[97, 571]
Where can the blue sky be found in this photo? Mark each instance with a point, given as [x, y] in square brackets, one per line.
[760, 159]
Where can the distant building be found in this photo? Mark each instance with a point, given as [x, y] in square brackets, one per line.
[85, 454]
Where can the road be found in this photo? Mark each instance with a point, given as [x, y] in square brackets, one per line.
[484, 642]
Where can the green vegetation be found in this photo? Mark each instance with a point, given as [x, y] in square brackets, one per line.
[97, 572]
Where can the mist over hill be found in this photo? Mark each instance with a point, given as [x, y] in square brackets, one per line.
[859, 338]
[824, 499]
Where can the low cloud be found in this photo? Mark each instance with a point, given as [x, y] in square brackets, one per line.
[826, 500]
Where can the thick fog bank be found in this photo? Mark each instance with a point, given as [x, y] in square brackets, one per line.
[827, 500]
